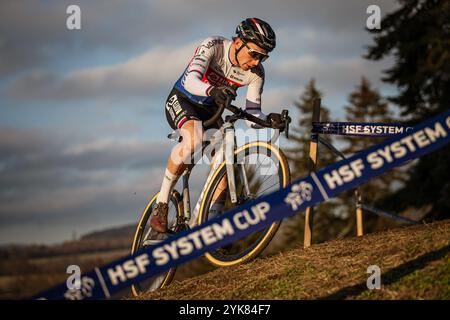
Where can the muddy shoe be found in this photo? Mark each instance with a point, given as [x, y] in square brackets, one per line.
[158, 221]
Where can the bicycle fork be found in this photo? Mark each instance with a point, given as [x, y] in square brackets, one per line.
[229, 148]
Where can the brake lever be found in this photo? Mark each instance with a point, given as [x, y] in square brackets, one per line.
[286, 119]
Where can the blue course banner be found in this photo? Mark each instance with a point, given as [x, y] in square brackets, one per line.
[366, 129]
[260, 213]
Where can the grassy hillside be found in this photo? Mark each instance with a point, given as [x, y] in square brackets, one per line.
[414, 263]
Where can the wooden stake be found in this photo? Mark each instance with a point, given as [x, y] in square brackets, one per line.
[313, 155]
[359, 216]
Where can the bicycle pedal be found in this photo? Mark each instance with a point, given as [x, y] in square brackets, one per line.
[155, 238]
[150, 242]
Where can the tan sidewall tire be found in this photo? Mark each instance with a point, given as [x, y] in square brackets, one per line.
[273, 227]
[138, 234]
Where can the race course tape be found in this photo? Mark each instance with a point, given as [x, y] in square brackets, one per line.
[366, 129]
[259, 213]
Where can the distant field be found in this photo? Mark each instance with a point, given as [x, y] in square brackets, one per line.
[28, 269]
[21, 278]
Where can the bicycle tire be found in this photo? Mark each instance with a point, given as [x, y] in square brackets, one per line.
[269, 232]
[166, 278]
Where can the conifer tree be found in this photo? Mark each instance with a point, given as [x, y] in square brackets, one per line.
[327, 223]
[366, 105]
[418, 36]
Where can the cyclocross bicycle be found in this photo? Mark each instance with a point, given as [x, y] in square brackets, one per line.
[252, 170]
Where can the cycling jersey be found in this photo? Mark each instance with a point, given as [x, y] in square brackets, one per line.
[211, 66]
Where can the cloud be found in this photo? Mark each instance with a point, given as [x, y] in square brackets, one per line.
[34, 33]
[137, 51]
[23, 152]
[45, 177]
[118, 128]
[334, 76]
[19, 142]
[276, 99]
[143, 75]
[34, 164]
[157, 70]
[95, 194]
[318, 28]
[320, 43]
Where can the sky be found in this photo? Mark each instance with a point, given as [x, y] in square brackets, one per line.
[83, 132]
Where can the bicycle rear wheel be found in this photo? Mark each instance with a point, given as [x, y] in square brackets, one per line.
[145, 236]
[267, 170]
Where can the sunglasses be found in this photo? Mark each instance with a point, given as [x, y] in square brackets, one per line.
[255, 54]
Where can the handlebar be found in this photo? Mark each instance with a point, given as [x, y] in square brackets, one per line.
[221, 109]
[240, 113]
[216, 116]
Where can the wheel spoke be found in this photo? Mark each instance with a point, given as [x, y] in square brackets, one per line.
[266, 189]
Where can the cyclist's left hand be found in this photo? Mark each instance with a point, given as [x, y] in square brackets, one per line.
[276, 121]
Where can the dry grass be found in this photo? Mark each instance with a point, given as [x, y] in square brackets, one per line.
[414, 262]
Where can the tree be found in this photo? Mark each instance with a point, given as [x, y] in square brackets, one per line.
[327, 222]
[366, 105]
[418, 35]
[298, 155]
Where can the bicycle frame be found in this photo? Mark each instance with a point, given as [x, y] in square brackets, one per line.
[226, 151]
[224, 143]
[227, 139]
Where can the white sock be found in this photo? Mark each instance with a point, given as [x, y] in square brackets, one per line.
[168, 183]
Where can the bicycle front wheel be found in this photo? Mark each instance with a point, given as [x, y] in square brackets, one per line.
[265, 169]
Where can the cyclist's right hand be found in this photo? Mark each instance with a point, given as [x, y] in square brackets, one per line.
[221, 95]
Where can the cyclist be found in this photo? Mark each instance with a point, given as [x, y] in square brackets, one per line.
[217, 65]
